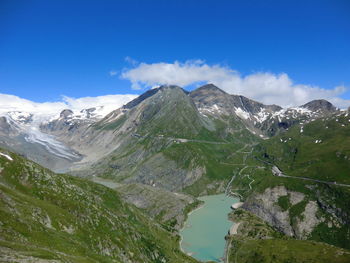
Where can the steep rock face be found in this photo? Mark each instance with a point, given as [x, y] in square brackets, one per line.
[268, 207]
[164, 206]
[162, 172]
[317, 215]
[265, 206]
[256, 241]
[308, 221]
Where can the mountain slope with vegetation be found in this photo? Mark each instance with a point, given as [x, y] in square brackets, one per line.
[165, 134]
[319, 149]
[309, 199]
[47, 217]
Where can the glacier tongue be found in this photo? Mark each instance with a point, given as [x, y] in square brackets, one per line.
[28, 124]
[34, 135]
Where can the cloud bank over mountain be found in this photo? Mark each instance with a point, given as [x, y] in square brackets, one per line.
[52, 109]
[265, 87]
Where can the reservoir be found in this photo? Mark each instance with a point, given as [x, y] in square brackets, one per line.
[203, 236]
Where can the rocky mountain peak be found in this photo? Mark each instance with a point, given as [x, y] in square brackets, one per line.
[173, 90]
[169, 87]
[210, 95]
[66, 113]
[140, 98]
[322, 105]
[150, 93]
[208, 89]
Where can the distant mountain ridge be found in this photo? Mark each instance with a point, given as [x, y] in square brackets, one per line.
[188, 115]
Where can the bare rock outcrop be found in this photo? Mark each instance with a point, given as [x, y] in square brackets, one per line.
[266, 206]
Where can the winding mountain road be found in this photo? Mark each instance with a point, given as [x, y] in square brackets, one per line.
[277, 172]
[178, 139]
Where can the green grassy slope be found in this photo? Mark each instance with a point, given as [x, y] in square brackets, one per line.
[285, 251]
[57, 217]
[298, 154]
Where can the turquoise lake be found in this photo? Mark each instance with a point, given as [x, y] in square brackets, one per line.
[204, 233]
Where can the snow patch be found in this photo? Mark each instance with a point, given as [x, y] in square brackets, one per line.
[302, 110]
[262, 115]
[20, 116]
[211, 109]
[242, 114]
[8, 157]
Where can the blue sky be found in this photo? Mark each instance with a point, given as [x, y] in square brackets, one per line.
[53, 48]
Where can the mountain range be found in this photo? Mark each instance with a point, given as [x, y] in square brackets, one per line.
[74, 139]
[163, 149]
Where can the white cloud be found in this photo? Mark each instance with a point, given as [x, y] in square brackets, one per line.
[109, 102]
[131, 61]
[51, 109]
[268, 88]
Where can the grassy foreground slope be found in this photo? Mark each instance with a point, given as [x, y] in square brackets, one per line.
[46, 217]
[286, 251]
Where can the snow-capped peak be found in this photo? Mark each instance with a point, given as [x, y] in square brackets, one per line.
[20, 116]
